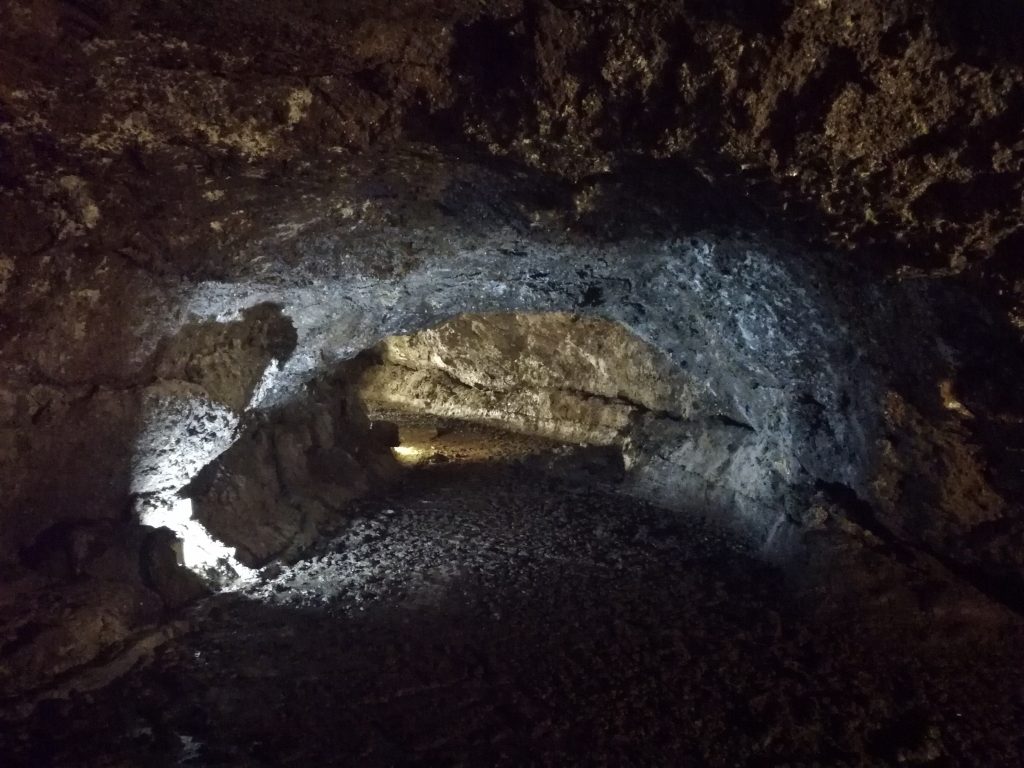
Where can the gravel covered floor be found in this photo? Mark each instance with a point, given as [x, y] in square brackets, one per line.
[520, 613]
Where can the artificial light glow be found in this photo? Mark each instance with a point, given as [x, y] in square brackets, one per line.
[950, 401]
[407, 454]
[200, 551]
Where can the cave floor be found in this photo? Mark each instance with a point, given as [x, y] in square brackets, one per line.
[519, 612]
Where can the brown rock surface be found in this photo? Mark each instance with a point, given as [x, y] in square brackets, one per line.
[815, 205]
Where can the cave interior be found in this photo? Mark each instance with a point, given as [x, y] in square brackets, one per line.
[511, 382]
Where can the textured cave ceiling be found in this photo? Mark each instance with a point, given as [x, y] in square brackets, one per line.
[895, 128]
[811, 211]
[176, 161]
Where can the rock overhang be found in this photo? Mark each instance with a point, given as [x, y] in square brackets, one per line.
[815, 208]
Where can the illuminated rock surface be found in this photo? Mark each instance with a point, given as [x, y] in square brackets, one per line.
[506, 607]
[808, 212]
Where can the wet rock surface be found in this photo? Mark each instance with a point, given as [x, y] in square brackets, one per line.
[505, 606]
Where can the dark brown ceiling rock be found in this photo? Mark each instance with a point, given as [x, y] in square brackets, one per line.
[894, 127]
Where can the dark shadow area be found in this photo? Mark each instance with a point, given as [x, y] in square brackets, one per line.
[984, 33]
[760, 16]
[500, 616]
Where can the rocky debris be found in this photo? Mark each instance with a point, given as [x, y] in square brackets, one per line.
[84, 590]
[55, 629]
[84, 594]
[583, 380]
[813, 207]
[496, 614]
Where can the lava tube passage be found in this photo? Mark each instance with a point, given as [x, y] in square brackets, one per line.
[519, 383]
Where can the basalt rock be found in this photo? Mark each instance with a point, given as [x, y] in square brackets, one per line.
[567, 377]
[811, 208]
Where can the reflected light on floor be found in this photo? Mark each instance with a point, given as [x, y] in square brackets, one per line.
[407, 454]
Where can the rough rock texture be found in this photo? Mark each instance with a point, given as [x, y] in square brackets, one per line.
[282, 484]
[504, 614]
[580, 379]
[93, 592]
[589, 381]
[896, 126]
[812, 206]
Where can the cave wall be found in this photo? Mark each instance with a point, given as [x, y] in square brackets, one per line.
[285, 482]
[776, 334]
[812, 207]
[583, 379]
[150, 152]
[568, 377]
